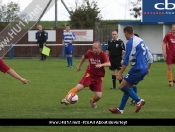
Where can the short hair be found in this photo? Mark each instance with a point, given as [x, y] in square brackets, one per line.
[136, 34]
[39, 26]
[128, 29]
[67, 25]
[116, 30]
[99, 43]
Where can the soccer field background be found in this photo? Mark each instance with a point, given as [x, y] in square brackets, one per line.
[51, 80]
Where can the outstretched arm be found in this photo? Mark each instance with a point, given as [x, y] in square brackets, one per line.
[15, 75]
[80, 64]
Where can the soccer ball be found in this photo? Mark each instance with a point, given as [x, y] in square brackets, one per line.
[72, 98]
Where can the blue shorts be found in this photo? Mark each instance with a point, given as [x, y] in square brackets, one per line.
[69, 50]
[135, 76]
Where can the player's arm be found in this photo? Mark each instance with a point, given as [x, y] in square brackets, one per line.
[106, 64]
[126, 60]
[105, 60]
[15, 75]
[63, 39]
[164, 44]
[6, 69]
[163, 49]
[81, 62]
[37, 42]
[150, 61]
[44, 37]
[73, 38]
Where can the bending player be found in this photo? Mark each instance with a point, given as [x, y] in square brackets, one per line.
[95, 71]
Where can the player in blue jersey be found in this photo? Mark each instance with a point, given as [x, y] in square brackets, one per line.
[67, 41]
[135, 50]
[149, 61]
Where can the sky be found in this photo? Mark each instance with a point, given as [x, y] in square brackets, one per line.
[110, 9]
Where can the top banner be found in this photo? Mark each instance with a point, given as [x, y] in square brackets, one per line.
[158, 11]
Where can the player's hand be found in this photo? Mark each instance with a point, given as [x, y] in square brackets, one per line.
[78, 69]
[164, 55]
[25, 81]
[70, 42]
[121, 62]
[148, 71]
[98, 65]
[44, 44]
[119, 76]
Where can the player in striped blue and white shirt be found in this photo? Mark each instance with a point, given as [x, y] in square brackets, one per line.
[137, 48]
[67, 41]
[149, 61]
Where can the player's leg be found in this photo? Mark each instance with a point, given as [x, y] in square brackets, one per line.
[174, 63]
[118, 66]
[169, 62]
[97, 96]
[84, 82]
[96, 87]
[170, 75]
[67, 56]
[113, 75]
[113, 78]
[74, 90]
[125, 97]
[135, 90]
[126, 85]
[40, 50]
[71, 51]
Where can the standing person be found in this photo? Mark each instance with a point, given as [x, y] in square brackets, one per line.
[135, 49]
[6, 69]
[169, 53]
[41, 41]
[67, 41]
[115, 47]
[149, 61]
[95, 71]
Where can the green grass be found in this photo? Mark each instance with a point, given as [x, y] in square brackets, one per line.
[51, 80]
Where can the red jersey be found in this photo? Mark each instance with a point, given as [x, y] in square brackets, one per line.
[94, 60]
[3, 67]
[169, 39]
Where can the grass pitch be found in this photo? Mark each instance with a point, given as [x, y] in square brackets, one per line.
[51, 80]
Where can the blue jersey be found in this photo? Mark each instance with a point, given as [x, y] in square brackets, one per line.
[68, 36]
[149, 57]
[137, 52]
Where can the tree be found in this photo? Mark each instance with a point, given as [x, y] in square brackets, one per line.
[9, 12]
[85, 15]
[136, 8]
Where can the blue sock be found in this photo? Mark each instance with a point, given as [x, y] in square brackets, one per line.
[123, 101]
[131, 93]
[70, 61]
[67, 61]
[135, 89]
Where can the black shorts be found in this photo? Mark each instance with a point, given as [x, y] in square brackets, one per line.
[115, 63]
[41, 44]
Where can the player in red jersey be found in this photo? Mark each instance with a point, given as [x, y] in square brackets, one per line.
[95, 71]
[169, 53]
[6, 69]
